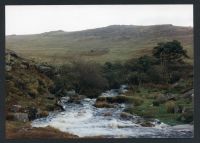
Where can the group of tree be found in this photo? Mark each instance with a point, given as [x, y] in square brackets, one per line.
[162, 66]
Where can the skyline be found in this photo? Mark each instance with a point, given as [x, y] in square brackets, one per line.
[21, 20]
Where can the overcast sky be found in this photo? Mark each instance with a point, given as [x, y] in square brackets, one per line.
[39, 19]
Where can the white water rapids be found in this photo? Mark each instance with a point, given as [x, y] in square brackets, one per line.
[85, 120]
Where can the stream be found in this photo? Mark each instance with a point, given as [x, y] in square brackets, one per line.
[85, 120]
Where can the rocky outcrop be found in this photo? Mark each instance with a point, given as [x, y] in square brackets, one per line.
[46, 69]
[28, 96]
[147, 124]
[164, 98]
[188, 94]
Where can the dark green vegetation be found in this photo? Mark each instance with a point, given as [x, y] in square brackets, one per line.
[84, 77]
[159, 75]
[116, 42]
[157, 83]
[91, 79]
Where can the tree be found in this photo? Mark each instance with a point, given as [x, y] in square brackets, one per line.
[137, 69]
[114, 73]
[169, 53]
[144, 63]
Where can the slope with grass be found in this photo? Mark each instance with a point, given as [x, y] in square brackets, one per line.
[111, 43]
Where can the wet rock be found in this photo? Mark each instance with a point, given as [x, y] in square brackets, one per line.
[16, 108]
[64, 99]
[20, 117]
[157, 121]
[32, 113]
[76, 98]
[107, 114]
[41, 114]
[103, 104]
[126, 116]
[70, 93]
[60, 105]
[147, 124]
[122, 91]
[61, 102]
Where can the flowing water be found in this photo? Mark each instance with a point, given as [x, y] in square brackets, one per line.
[85, 120]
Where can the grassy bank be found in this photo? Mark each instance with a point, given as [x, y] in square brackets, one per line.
[169, 111]
[21, 130]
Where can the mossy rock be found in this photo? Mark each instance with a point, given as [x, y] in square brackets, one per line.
[125, 115]
[103, 104]
[147, 124]
[43, 114]
[136, 100]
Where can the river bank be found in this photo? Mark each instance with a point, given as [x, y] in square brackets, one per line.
[24, 130]
[85, 120]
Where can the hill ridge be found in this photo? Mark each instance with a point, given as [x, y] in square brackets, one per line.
[109, 43]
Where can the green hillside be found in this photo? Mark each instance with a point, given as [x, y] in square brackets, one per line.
[111, 43]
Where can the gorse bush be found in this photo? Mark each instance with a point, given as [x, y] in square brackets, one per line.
[170, 106]
[83, 77]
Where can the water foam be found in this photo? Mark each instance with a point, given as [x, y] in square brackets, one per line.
[85, 120]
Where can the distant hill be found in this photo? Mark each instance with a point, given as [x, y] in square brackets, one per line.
[115, 42]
